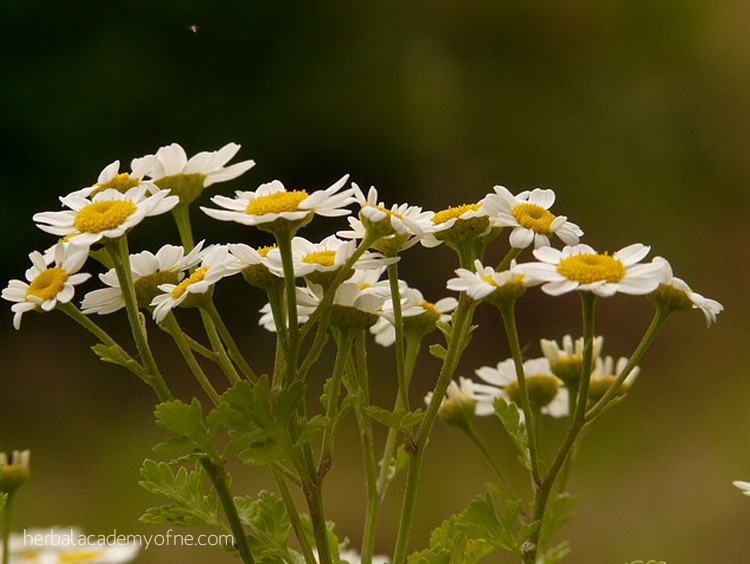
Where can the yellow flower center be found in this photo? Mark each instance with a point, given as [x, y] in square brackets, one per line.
[429, 308]
[196, 276]
[534, 217]
[363, 285]
[325, 258]
[588, 268]
[453, 212]
[47, 285]
[101, 216]
[277, 202]
[263, 251]
[79, 555]
[121, 182]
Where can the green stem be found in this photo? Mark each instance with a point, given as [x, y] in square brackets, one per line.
[291, 510]
[360, 381]
[179, 338]
[181, 214]
[205, 352]
[459, 335]
[118, 251]
[509, 256]
[226, 336]
[223, 359]
[6, 527]
[657, 322]
[399, 326]
[471, 431]
[284, 243]
[218, 476]
[314, 498]
[509, 320]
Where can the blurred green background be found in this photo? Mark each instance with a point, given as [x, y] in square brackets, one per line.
[636, 112]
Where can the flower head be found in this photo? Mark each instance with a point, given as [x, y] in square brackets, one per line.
[487, 283]
[675, 295]
[107, 215]
[111, 178]
[529, 216]
[47, 285]
[458, 224]
[14, 470]
[604, 375]
[215, 264]
[744, 486]
[255, 266]
[149, 271]
[170, 168]
[582, 268]
[272, 202]
[463, 400]
[566, 362]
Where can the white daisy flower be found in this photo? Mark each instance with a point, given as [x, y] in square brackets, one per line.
[271, 201]
[462, 222]
[108, 214]
[545, 390]
[582, 268]
[111, 178]
[529, 215]
[566, 362]
[58, 545]
[215, 264]
[465, 398]
[255, 266]
[14, 470]
[47, 285]
[171, 161]
[604, 375]
[486, 280]
[744, 486]
[149, 271]
[676, 294]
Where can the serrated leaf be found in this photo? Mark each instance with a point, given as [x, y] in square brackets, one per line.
[556, 553]
[445, 328]
[266, 520]
[171, 515]
[438, 351]
[262, 454]
[173, 444]
[401, 419]
[115, 355]
[309, 429]
[559, 512]
[510, 417]
[186, 420]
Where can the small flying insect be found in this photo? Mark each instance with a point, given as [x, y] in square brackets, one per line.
[193, 28]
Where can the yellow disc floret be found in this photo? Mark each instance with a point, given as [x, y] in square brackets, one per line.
[196, 276]
[263, 251]
[324, 258]
[588, 268]
[534, 217]
[277, 202]
[104, 215]
[121, 182]
[75, 556]
[47, 285]
[453, 213]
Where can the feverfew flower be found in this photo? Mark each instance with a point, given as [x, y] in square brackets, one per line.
[545, 390]
[14, 470]
[528, 214]
[487, 283]
[255, 265]
[355, 305]
[566, 362]
[272, 202]
[458, 224]
[149, 271]
[582, 268]
[674, 294]
[170, 168]
[215, 264]
[744, 486]
[463, 400]
[107, 215]
[111, 178]
[604, 375]
[47, 286]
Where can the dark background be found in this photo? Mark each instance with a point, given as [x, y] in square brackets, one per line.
[636, 112]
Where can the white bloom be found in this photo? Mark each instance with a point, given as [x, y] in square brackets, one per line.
[215, 264]
[271, 201]
[486, 280]
[567, 361]
[744, 486]
[108, 214]
[111, 178]
[404, 219]
[269, 323]
[47, 286]
[446, 219]
[710, 308]
[545, 390]
[470, 394]
[57, 545]
[171, 160]
[606, 372]
[528, 214]
[582, 268]
[148, 271]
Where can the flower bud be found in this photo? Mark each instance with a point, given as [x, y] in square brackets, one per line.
[14, 470]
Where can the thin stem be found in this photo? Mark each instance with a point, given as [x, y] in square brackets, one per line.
[459, 334]
[213, 335]
[314, 498]
[291, 510]
[509, 256]
[118, 251]
[284, 243]
[6, 526]
[471, 431]
[399, 326]
[205, 352]
[179, 338]
[181, 214]
[218, 476]
[509, 320]
[226, 336]
[657, 322]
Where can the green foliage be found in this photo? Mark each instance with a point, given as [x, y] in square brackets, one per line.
[475, 533]
[191, 506]
[333, 539]
[268, 526]
[115, 355]
[186, 421]
[3, 498]
[511, 420]
[400, 419]
[649, 562]
[559, 512]
[556, 553]
[438, 351]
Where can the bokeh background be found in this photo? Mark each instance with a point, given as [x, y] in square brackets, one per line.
[637, 113]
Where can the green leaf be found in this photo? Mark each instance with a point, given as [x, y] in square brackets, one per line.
[187, 422]
[444, 328]
[3, 498]
[401, 420]
[267, 523]
[559, 512]
[649, 562]
[511, 420]
[556, 553]
[308, 429]
[438, 351]
[185, 489]
[115, 355]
